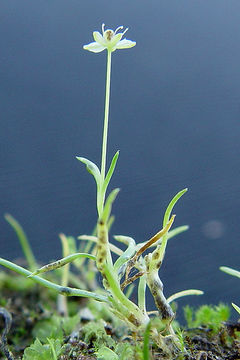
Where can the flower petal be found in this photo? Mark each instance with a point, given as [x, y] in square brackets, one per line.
[125, 44]
[98, 38]
[94, 47]
[115, 40]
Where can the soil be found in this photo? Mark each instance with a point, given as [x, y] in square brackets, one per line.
[28, 306]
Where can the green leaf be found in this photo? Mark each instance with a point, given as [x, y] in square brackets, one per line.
[178, 230]
[23, 240]
[72, 245]
[110, 171]
[91, 168]
[106, 354]
[39, 351]
[237, 308]
[128, 253]
[230, 271]
[59, 263]
[171, 205]
[184, 293]
[108, 205]
[63, 290]
[166, 220]
[171, 233]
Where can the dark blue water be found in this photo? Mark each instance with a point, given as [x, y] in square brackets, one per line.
[175, 111]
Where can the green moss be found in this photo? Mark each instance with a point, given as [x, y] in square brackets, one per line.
[210, 316]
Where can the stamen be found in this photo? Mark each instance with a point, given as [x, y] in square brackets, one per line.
[120, 27]
[103, 25]
[125, 31]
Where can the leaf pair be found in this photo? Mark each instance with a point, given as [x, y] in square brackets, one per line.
[102, 183]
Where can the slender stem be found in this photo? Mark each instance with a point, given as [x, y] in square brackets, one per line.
[106, 115]
[105, 126]
[142, 294]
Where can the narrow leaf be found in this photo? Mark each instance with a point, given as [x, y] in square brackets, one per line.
[59, 263]
[155, 238]
[91, 168]
[172, 233]
[184, 293]
[230, 271]
[94, 239]
[110, 171]
[108, 205]
[67, 291]
[128, 253]
[237, 308]
[178, 230]
[171, 205]
[22, 237]
[166, 219]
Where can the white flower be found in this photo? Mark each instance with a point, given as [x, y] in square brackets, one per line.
[110, 40]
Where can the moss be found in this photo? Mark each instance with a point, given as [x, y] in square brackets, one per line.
[210, 316]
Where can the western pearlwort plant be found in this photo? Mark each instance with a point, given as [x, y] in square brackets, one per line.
[118, 275]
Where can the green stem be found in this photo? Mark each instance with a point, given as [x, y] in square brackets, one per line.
[105, 128]
[146, 355]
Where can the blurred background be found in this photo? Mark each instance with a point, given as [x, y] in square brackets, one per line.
[175, 110]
